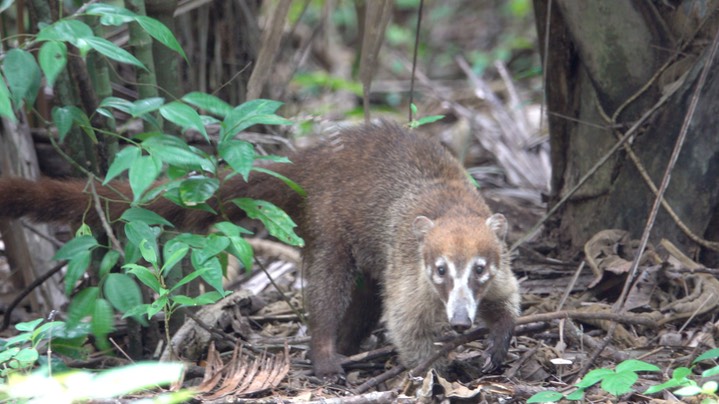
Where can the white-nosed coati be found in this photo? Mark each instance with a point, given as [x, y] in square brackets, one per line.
[392, 226]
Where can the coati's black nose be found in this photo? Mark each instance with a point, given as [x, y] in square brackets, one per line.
[460, 324]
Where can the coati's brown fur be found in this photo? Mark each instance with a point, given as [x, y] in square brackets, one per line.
[392, 226]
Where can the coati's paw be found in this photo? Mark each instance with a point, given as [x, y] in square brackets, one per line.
[493, 360]
[329, 370]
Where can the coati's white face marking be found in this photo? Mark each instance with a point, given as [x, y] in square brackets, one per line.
[461, 258]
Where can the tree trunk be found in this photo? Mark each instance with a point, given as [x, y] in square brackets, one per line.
[608, 64]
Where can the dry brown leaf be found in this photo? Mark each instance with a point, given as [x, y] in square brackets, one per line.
[612, 250]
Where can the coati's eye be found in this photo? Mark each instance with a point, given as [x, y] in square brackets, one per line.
[478, 267]
[441, 269]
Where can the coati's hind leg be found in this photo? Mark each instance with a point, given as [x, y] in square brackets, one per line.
[330, 285]
[361, 316]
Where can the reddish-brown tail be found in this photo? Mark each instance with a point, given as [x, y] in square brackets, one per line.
[71, 201]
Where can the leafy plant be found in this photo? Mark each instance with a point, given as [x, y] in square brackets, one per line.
[688, 387]
[616, 382]
[417, 122]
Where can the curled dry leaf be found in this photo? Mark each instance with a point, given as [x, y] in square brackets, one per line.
[612, 250]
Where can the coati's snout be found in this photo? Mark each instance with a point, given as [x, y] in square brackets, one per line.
[462, 257]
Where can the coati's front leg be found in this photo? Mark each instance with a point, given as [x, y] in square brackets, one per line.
[499, 318]
[328, 294]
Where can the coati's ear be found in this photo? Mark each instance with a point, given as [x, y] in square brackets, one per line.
[421, 225]
[498, 223]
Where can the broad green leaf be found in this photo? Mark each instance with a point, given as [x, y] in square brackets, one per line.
[146, 216]
[252, 112]
[122, 161]
[619, 383]
[66, 30]
[6, 109]
[143, 173]
[576, 395]
[230, 229]
[81, 306]
[183, 116]
[681, 373]
[157, 306]
[429, 119]
[190, 277]
[53, 58]
[8, 353]
[23, 76]
[65, 117]
[111, 15]
[212, 273]
[197, 190]
[594, 376]
[671, 383]
[148, 253]
[711, 372]
[112, 51]
[273, 158]
[277, 222]
[29, 325]
[103, 322]
[202, 300]
[634, 365]
[240, 155]
[146, 105]
[546, 397]
[710, 387]
[293, 185]
[75, 247]
[209, 103]
[173, 252]
[109, 260]
[174, 151]
[127, 379]
[136, 232]
[240, 248]
[193, 240]
[26, 357]
[173, 194]
[214, 244]
[145, 276]
[118, 104]
[76, 269]
[161, 33]
[5, 5]
[688, 391]
[710, 354]
[122, 292]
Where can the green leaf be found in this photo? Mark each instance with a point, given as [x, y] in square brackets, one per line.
[634, 365]
[65, 117]
[143, 173]
[183, 116]
[277, 222]
[29, 325]
[146, 105]
[429, 119]
[240, 248]
[197, 190]
[174, 151]
[546, 397]
[145, 276]
[6, 109]
[173, 252]
[240, 155]
[5, 5]
[711, 372]
[146, 216]
[214, 244]
[252, 112]
[109, 260]
[103, 322]
[293, 185]
[190, 277]
[203, 299]
[688, 391]
[75, 247]
[81, 306]
[710, 354]
[230, 229]
[148, 253]
[118, 104]
[111, 15]
[122, 292]
[66, 30]
[710, 387]
[112, 51]
[594, 376]
[26, 357]
[620, 382]
[76, 268]
[209, 103]
[127, 379]
[137, 232]
[211, 272]
[671, 383]
[53, 58]
[161, 33]
[576, 395]
[23, 76]
[122, 161]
